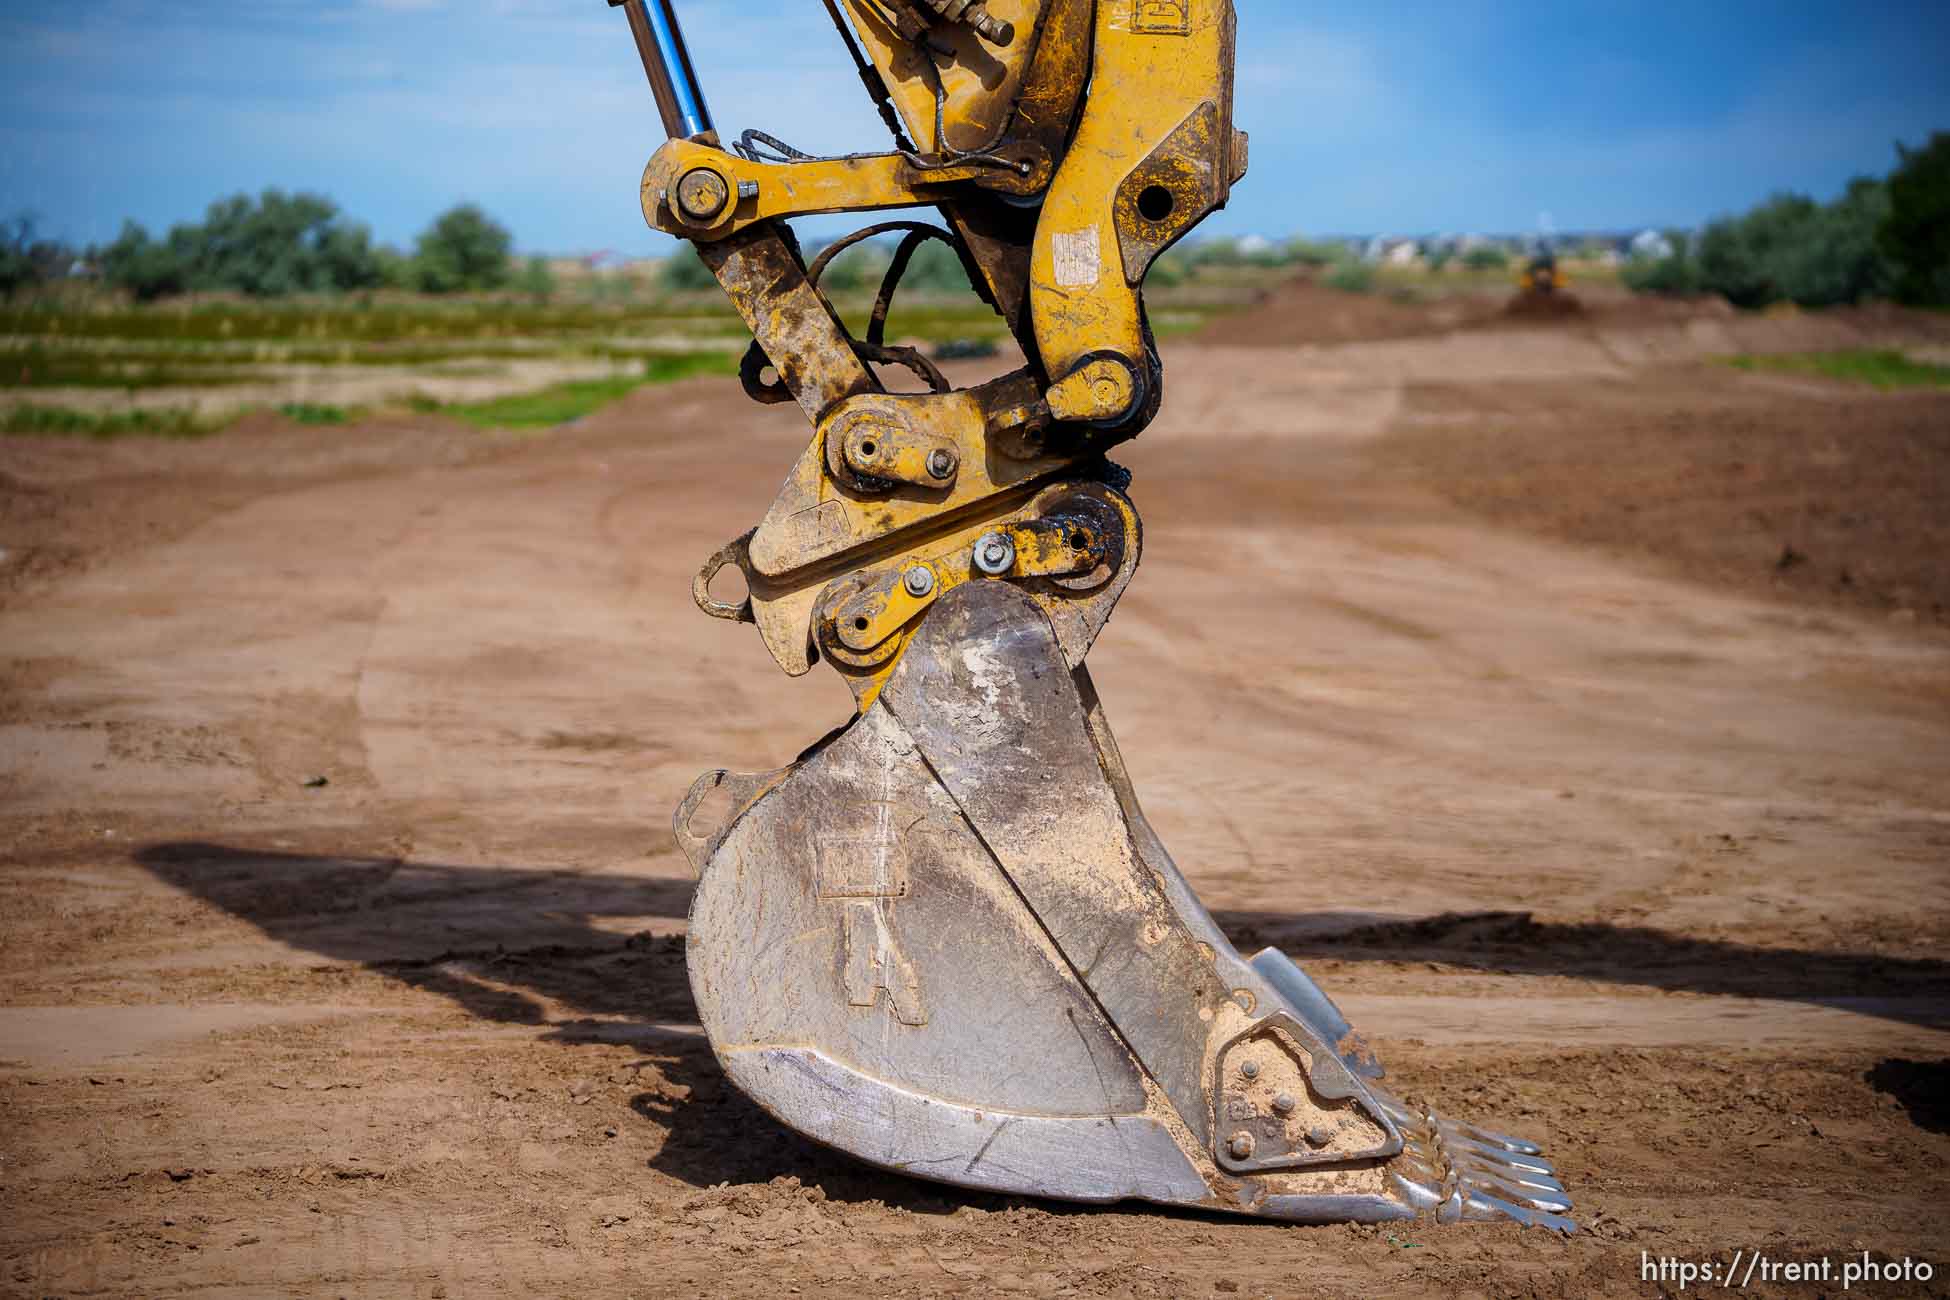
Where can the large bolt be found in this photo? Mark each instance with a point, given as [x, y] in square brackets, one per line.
[702, 193]
[942, 463]
[919, 580]
[1319, 1137]
[1250, 1069]
[1241, 1145]
[1284, 1103]
[996, 31]
[1104, 389]
[995, 554]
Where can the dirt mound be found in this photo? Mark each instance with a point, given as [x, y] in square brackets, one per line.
[1533, 306]
[1805, 488]
[1609, 308]
[1891, 319]
[1783, 328]
[1624, 308]
[1304, 311]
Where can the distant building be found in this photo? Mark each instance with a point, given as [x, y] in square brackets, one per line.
[1391, 250]
[1651, 245]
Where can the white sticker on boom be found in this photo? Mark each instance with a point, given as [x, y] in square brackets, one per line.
[1079, 259]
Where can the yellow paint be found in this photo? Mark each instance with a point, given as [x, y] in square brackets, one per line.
[1154, 67]
[867, 620]
[816, 517]
[1096, 390]
[868, 183]
[981, 80]
[1157, 122]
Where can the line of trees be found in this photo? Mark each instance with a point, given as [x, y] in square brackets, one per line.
[27, 259]
[278, 244]
[1886, 238]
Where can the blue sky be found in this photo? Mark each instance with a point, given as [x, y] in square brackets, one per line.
[1370, 117]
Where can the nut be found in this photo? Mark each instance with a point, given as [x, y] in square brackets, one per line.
[919, 580]
[702, 193]
[996, 31]
[942, 463]
[995, 554]
[1240, 1144]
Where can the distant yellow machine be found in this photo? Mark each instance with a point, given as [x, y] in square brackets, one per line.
[946, 939]
[1542, 275]
[1543, 289]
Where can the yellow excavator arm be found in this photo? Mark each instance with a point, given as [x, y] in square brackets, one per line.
[945, 939]
[1066, 144]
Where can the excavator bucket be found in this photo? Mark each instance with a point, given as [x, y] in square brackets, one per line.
[947, 942]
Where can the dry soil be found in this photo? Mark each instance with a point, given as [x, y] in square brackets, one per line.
[341, 929]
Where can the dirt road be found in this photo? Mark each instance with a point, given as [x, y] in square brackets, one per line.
[341, 930]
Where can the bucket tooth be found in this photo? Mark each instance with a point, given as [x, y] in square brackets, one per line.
[948, 942]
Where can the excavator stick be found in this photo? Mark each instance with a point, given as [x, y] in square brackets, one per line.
[945, 939]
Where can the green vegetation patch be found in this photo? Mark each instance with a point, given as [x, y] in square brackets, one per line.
[544, 408]
[314, 413]
[169, 422]
[1880, 237]
[560, 403]
[1350, 277]
[357, 320]
[41, 367]
[1880, 368]
[673, 366]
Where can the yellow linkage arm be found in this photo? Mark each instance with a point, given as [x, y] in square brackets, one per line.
[1154, 154]
[698, 192]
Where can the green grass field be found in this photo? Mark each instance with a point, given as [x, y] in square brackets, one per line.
[86, 364]
[561, 403]
[172, 422]
[1876, 367]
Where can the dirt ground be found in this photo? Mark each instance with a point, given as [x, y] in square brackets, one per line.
[341, 928]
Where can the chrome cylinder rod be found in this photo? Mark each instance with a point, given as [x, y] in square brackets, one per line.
[666, 61]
